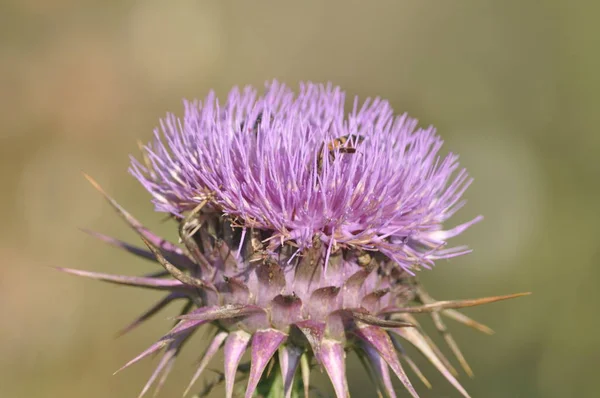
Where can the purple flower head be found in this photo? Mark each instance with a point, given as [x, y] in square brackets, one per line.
[298, 166]
[299, 231]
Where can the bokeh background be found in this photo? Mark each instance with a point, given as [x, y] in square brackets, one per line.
[511, 86]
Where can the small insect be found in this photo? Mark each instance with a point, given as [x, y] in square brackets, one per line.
[256, 125]
[344, 144]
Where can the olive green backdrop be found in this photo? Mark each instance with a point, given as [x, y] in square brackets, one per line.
[511, 85]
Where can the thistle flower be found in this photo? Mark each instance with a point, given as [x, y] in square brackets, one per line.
[301, 229]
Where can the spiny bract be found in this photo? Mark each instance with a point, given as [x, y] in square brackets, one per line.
[301, 229]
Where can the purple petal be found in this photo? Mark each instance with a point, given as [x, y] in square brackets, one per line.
[379, 339]
[333, 359]
[210, 352]
[139, 281]
[264, 345]
[289, 357]
[235, 345]
[419, 341]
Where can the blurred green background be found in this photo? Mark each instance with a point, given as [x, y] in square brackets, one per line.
[511, 86]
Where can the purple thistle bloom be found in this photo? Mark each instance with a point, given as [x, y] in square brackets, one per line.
[301, 230]
[258, 160]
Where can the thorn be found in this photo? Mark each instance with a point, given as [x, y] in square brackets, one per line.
[443, 305]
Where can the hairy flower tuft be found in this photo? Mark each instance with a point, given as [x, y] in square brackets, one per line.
[301, 229]
[297, 166]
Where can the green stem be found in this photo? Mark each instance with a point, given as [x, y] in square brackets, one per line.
[271, 386]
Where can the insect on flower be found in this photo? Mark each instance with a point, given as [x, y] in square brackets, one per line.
[255, 126]
[344, 144]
